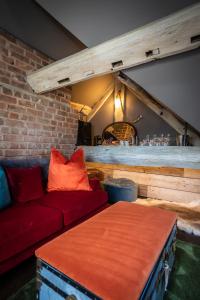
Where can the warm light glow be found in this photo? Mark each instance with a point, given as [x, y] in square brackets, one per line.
[117, 103]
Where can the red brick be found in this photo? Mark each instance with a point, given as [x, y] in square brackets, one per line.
[34, 57]
[18, 84]
[7, 91]
[32, 132]
[13, 116]
[31, 124]
[24, 117]
[23, 131]
[51, 104]
[13, 138]
[3, 65]
[17, 49]
[40, 113]
[3, 50]
[8, 60]
[48, 115]
[27, 97]
[3, 113]
[17, 94]
[4, 129]
[32, 112]
[61, 113]
[26, 103]
[50, 110]
[53, 123]
[4, 73]
[16, 70]
[34, 98]
[44, 63]
[14, 123]
[34, 125]
[2, 41]
[31, 118]
[17, 146]
[59, 118]
[4, 79]
[19, 78]
[3, 106]
[23, 65]
[20, 57]
[44, 102]
[31, 139]
[14, 130]
[14, 153]
[8, 37]
[40, 107]
[16, 108]
[44, 121]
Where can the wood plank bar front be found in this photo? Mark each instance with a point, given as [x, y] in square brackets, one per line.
[165, 183]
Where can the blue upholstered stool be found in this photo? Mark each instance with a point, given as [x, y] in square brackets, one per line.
[121, 189]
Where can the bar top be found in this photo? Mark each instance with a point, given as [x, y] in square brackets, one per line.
[165, 156]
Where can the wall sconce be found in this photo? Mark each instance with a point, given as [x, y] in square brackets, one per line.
[118, 101]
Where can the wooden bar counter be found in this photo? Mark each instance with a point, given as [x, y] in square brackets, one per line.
[166, 173]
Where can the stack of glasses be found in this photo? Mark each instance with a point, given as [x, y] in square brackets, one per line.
[161, 140]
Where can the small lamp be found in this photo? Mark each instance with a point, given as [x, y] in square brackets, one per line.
[118, 102]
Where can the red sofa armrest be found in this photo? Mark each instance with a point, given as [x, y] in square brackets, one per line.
[95, 184]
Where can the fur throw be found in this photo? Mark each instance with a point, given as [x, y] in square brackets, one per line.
[188, 213]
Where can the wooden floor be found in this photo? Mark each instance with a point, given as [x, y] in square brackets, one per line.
[16, 278]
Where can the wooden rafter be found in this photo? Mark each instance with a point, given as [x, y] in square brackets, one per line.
[119, 92]
[85, 109]
[155, 105]
[101, 102]
[173, 34]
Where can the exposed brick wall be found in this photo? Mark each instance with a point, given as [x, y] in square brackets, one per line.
[31, 124]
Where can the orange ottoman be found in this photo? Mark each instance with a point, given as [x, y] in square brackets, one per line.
[123, 253]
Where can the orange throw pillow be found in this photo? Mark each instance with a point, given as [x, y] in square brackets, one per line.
[67, 175]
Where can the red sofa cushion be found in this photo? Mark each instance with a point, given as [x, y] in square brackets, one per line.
[75, 204]
[25, 183]
[24, 225]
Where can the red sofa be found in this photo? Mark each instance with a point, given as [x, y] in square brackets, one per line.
[25, 227]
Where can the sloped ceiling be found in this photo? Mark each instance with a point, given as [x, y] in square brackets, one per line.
[90, 91]
[26, 20]
[175, 80]
[95, 21]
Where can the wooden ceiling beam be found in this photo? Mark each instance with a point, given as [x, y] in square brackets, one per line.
[81, 108]
[119, 92]
[173, 34]
[97, 106]
[155, 105]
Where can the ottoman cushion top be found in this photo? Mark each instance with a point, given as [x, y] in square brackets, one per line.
[113, 253]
